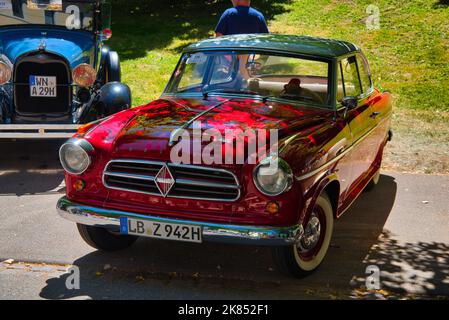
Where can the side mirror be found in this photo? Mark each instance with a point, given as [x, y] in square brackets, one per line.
[350, 102]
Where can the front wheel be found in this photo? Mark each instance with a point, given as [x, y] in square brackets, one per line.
[302, 259]
[102, 239]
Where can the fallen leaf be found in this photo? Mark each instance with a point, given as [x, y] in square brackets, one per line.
[310, 292]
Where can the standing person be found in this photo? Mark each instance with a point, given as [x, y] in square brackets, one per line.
[241, 19]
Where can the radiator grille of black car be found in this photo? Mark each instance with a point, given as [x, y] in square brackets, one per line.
[42, 64]
[189, 182]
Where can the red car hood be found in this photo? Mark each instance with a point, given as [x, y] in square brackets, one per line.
[146, 134]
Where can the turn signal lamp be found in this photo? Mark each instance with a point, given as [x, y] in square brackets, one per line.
[272, 207]
[79, 185]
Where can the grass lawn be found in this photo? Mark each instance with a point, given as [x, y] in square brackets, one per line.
[409, 55]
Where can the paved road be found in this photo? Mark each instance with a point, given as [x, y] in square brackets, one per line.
[402, 227]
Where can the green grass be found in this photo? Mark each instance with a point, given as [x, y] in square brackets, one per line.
[409, 55]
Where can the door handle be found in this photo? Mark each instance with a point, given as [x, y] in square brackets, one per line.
[374, 115]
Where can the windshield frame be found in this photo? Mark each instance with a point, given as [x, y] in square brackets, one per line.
[329, 105]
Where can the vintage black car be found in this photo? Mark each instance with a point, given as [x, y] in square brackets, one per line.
[55, 71]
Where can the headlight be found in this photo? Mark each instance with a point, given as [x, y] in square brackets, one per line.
[5, 73]
[273, 176]
[74, 156]
[84, 75]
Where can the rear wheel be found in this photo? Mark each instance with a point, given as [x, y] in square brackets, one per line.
[302, 259]
[102, 239]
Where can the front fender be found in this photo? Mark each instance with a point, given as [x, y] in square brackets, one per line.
[113, 97]
[329, 181]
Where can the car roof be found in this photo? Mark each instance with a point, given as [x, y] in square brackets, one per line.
[304, 45]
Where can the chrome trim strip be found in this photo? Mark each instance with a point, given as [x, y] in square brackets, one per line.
[237, 185]
[212, 232]
[205, 184]
[341, 155]
[129, 175]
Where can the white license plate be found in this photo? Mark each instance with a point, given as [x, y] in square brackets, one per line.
[161, 230]
[42, 86]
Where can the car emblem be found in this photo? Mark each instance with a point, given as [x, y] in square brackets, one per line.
[42, 45]
[164, 180]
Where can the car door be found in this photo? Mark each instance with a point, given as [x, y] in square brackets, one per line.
[360, 119]
[380, 104]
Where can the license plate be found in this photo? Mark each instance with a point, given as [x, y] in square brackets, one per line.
[161, 230]
[42, 86]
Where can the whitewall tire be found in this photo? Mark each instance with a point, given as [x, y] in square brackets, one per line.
[302, 259]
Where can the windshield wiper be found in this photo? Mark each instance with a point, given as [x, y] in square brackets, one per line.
[244, 91]
[241, 91]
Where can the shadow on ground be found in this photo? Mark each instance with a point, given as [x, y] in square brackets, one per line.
[411, 268]
[143, 25]
[359, 240]
[30, 167]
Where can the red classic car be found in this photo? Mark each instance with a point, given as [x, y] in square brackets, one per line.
[169, 169]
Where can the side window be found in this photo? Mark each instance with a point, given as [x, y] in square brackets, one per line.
[365, 73]
[350, 75]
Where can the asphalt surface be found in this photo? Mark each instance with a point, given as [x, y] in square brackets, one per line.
[401, 227]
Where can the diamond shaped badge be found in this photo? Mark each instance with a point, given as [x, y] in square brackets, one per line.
[164, 180]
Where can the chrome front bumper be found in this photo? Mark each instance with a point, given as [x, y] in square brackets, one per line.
[37, 131]
[212, 232]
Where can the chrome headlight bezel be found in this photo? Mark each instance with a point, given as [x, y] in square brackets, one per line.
[282, 166]
[8, 69]
[85, 149]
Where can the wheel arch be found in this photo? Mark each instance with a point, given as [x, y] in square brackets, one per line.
[330, 184]
[332, 190]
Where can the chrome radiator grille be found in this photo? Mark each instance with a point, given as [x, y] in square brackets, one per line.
[171, 180]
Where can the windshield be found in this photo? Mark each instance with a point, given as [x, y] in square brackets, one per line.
[252, 73]
[70, 14]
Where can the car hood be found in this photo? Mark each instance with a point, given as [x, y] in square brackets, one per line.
[144, 132]
[75, 46]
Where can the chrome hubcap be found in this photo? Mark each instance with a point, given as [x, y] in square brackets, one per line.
[311, 234]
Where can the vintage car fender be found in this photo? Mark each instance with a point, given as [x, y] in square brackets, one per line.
[109, 67]
[329, 182]
[110, 98]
